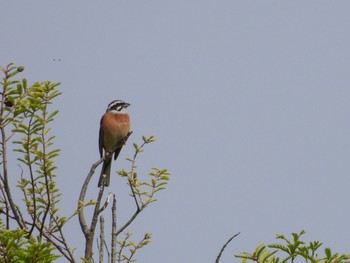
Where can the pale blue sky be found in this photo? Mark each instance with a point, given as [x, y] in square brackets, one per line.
[249, 101]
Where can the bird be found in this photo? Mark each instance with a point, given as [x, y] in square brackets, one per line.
[114, 127]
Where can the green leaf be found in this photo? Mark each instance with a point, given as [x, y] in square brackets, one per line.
[328, 252]
[154, 182]
[136, 147]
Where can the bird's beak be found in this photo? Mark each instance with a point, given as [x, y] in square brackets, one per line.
[126, 104]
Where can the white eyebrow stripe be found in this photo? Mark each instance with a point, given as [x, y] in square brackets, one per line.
[115, 102]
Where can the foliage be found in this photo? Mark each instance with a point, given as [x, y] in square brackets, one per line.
[25, 119]
[143, 193]
[290, 250]
[132, 247]
[16, 247]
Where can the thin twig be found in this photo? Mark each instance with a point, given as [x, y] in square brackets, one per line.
[108, 254]
[30, 167]
[114, 230]
[224, 246]
[63, 240]
[138, 211]
[133, 191]
[7, 208]
[89, 237]
[81, 215]
[131, 176]
[138, 207]
[102, 238]
[96, 210]
[63, 251]
[106, 203]
[44, 164]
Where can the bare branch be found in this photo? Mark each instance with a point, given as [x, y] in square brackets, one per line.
[62, 240]
[89, 232]
[108, 254]
[45, 172]
[132, 188]
[106, 203]
[224, 246]
[30, 167]
[82, 221]
[138, 211]
[130, 178]
[114, 230]
[5, 201]
[102, 238]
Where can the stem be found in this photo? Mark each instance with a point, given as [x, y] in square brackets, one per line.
[81, 215]
[66, 253]
[131, 176]
[138, 211]
[114, 229]
[90, 236]
[7, 209]
[102, 238]
[89, 232]
[63, 240]
[47, 183]
[4, 161]
[224, 246]
[31, 179]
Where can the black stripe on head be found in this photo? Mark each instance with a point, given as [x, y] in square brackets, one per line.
[117, 105]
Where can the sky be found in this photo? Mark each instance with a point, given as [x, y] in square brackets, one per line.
[248, 100]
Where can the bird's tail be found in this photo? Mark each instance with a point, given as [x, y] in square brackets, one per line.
[105, 173]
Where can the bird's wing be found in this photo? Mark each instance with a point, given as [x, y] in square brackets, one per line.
[100, 142]
[116, 153]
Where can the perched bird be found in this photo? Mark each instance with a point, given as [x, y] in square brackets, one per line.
[114, 126]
